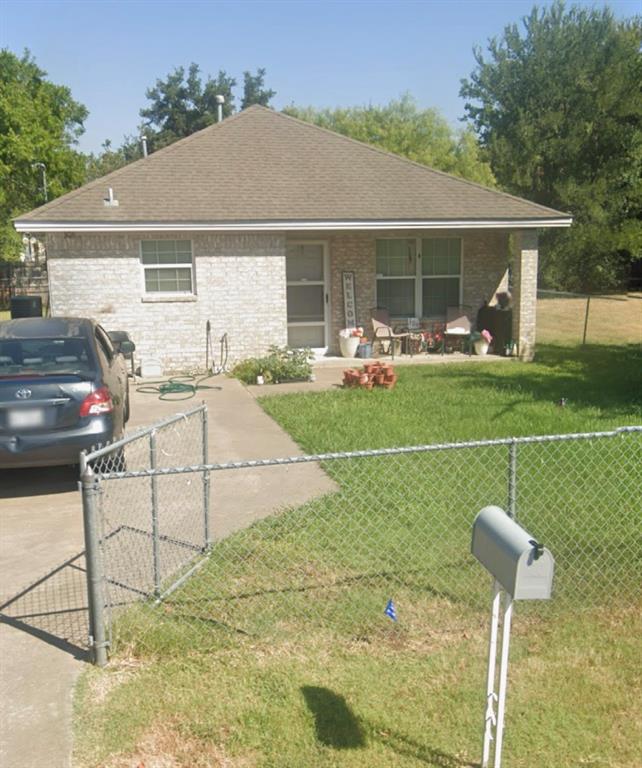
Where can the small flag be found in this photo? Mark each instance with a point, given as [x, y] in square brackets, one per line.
[390, 611]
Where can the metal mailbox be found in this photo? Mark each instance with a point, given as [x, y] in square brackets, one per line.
[522, 566]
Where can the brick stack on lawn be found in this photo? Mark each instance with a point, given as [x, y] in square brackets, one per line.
[371, 375]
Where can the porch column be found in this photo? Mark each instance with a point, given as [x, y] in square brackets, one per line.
[525, 291]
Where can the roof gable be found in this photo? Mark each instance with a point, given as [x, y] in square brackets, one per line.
[260, 166]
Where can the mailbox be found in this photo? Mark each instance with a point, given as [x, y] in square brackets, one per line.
[520, 564]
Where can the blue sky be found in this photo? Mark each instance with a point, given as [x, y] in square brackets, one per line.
[317, 53]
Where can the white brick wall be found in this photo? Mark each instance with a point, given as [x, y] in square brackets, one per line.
[240, 288]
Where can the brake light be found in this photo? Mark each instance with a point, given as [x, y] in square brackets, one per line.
[97, 403]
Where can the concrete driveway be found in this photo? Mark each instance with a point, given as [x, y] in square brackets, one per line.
[43, 628]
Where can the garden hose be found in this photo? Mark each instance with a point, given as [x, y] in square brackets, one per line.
[182, 387]
[185, 386]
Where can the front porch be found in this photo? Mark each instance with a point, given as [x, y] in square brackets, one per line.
[416, 275]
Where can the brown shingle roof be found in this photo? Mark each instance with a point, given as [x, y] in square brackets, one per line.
[263, 166]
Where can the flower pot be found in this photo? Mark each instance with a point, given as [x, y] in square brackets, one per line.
[481, 346]
[349, 346]
[364, 378]
[379, 378]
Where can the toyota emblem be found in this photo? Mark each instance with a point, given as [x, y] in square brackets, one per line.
[23, 394]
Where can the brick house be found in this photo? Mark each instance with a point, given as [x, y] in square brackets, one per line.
[251, 224]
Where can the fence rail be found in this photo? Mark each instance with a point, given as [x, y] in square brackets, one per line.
[277, 547]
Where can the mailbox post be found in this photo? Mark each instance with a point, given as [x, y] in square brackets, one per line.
[523, 569]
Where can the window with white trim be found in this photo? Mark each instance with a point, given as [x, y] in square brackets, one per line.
[419, 277]
[167, 266]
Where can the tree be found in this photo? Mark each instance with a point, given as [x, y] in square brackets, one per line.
[400, 127]
[39, 124]
[558, 109]
[181, 105]
[253, 90]
[110, 159]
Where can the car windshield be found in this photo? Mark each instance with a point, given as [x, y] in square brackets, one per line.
[43, 357]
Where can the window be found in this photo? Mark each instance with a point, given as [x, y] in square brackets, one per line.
[167, 265]
[396, 276]
[419, 277]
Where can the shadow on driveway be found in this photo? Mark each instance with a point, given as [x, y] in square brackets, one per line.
[54, 608]
[37, 481]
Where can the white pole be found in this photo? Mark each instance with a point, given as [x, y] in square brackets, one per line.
[503, 679]
[491, 697]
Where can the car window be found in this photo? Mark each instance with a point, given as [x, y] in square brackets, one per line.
[104, 343]
[43, 356]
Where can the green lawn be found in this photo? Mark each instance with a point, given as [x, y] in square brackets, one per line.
[277, 652]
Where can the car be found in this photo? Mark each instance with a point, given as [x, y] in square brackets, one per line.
[63, 389]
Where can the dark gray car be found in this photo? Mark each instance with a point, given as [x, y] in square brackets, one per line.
[63, 388]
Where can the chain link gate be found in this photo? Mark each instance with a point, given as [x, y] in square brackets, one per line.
[375, 525]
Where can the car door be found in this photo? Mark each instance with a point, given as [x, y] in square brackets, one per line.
[114, 375]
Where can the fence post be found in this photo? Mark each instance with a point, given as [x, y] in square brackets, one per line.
[206, 484]
[90, 488]
[586, 317]
[512, 479]
[155, 532]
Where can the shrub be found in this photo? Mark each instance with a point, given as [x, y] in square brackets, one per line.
[280, 364]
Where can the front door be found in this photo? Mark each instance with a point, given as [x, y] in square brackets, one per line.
[308, 299]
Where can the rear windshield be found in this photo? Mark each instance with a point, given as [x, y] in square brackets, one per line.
[43, 356]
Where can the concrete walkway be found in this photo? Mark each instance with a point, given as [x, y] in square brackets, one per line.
[42, 632]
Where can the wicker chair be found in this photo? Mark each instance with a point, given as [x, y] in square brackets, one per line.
[383, 333]
[458, 326]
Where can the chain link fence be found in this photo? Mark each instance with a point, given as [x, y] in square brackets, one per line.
[575, 318]
[179, 567]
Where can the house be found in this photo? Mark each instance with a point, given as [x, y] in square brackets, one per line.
[252, 223]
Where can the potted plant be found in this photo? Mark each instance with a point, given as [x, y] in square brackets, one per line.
[481, 341]
[349, 340]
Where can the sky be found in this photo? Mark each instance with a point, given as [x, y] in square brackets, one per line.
[316, 52]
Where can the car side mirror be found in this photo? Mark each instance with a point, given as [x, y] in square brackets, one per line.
[126, 347]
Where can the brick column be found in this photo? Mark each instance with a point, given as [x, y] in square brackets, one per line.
[525, 291]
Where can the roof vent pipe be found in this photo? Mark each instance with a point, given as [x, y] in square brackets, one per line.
[143, 141]
[110, 201]
[220, 100]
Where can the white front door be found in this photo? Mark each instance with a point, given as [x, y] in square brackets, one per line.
[308, 300]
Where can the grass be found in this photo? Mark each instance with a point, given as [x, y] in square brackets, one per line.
[602, 387]
[317, 677]
[615, 319]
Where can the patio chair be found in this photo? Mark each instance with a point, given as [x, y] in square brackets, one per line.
[383, 333]
[458, 326]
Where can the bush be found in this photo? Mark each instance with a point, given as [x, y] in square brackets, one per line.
[279, 365]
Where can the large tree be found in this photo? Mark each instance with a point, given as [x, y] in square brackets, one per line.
[254, 91]
[557, 105]
[422, 135]
[39, 125]
[178, 106]
[183, 104]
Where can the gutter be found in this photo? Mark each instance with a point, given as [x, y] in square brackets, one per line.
[33, 227]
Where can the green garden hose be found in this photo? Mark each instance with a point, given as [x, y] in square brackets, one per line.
[182, 387]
